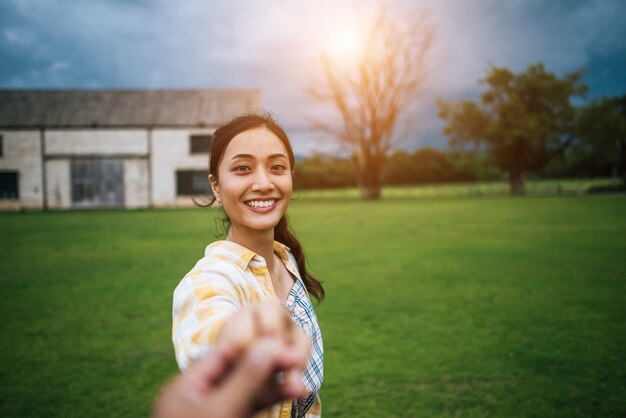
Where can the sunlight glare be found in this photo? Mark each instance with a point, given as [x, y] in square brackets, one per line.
[346, 43]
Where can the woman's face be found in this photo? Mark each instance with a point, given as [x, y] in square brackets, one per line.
[254, 181]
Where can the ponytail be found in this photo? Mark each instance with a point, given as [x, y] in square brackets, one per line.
[283, 235]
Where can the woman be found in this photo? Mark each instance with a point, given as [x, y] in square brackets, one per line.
[231, 294]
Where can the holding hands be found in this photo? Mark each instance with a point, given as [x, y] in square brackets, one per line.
[245, 372]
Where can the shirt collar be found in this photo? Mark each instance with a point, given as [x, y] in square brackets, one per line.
[242, 256]
[282, 250]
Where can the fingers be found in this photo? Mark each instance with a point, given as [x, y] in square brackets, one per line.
[271, 320]
[252, 383]
[258, 361]
[292, 388]
[266, 319]
[301, 346]
[293, 362]
[259, 343]
[238, 332]
[208, 370]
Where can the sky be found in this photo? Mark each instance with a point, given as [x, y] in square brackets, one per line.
[276, 45]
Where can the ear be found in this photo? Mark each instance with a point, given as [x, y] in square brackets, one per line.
[216, 188]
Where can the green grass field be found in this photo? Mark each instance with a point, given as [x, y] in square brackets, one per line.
[551, 187]
[492, 306]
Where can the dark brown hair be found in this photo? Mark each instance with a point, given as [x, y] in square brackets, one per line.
[221, 138]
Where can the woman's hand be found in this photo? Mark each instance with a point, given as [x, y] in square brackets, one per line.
[263, 319]
[239, 377]
[266, 320]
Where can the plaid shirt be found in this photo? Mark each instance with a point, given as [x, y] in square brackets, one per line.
[226, 279]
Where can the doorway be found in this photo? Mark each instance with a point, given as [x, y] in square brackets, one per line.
[97, 182]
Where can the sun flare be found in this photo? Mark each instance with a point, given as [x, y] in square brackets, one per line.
[345, 43]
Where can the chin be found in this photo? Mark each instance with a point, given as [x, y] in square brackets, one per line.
[261, 224]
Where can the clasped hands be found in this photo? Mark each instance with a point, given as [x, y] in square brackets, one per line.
[258, 360]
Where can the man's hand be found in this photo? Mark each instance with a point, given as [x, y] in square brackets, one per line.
[243, 375]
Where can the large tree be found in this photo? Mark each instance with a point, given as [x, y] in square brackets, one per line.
[371, 89]
[521, 121]
[602, 131]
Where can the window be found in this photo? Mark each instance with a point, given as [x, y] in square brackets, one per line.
[97, 182]
[191, 182]
[200, 144]
[8, 185]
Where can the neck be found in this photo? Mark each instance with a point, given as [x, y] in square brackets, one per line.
[260, 242]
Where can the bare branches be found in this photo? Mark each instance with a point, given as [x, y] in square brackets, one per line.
[372, 92]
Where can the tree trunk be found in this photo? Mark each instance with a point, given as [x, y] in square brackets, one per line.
[517, 184]
[370, 192]
[370, 181]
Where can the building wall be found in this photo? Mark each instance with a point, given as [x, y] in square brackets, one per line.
[151, 159]
[105, 142]
[131, 145]
[58, 190]
[171, 152]
[22, 153]
[136, 183]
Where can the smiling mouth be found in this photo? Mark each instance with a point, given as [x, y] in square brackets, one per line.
[260, 204]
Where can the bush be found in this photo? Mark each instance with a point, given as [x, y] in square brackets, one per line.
[320, 172]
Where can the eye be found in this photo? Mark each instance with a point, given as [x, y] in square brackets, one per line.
[278, 167]
[242, 169]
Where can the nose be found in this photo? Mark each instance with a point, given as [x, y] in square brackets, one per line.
[262, 182]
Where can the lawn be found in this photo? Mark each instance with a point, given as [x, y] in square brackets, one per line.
[490, 306]
[534, 187]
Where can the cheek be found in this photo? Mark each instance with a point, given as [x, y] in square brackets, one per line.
[287, 187]
[227, 188]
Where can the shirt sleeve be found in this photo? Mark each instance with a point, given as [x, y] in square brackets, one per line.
[203, 301]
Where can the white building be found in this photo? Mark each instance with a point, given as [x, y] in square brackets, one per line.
[70, 149]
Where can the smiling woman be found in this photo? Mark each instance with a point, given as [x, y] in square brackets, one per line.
[222, 301]
[253, 184]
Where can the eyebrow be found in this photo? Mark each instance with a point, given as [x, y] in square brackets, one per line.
[252, 157]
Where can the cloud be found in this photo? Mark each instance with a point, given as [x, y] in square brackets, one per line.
[275, 46]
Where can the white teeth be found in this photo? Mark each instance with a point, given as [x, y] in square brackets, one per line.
[260, 203]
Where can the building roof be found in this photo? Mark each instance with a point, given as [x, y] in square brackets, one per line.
[122, 108]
